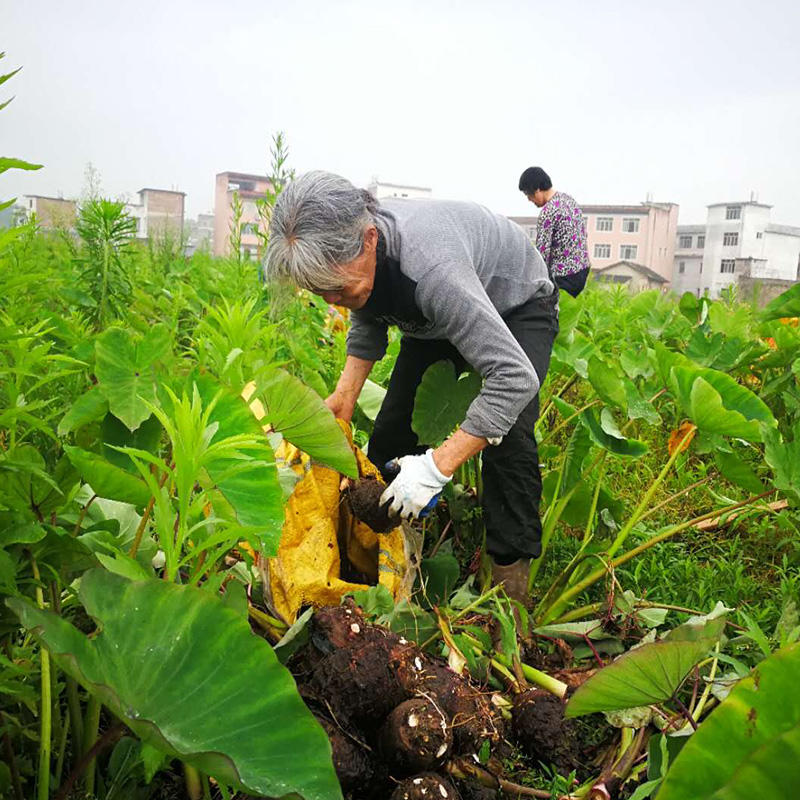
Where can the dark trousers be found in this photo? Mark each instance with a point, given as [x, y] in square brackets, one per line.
[512, 483]
[572, 283]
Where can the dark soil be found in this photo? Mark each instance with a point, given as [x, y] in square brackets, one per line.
[365, 495]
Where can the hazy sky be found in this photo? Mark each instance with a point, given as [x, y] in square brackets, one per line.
[693, 102]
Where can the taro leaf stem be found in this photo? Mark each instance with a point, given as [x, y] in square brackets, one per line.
[46, 719]
[547, 615]
[91, 725]
[111, 736]
[535, 676]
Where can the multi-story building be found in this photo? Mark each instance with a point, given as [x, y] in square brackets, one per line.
[688, 267]
[737, 245]
[641, 234]
[200, 233]
[382, 190]
[52, 212]
[159, 212]
[249, 189]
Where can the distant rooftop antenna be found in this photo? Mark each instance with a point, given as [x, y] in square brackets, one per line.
[649, 197]
[753, 196]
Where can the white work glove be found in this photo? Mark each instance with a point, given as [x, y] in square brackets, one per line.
[416, 489]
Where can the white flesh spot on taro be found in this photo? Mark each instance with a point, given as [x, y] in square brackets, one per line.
[403, 640]
[412, 721]
[418, 662]
[442, 790]
[439, 753]
[417, 781]
[355, 628]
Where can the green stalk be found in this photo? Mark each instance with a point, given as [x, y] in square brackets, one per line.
[535, 676]
[45, 730]
[91, 726]
[62, 747]
[587, 534]
[551, 433]
[648, 495]
[194, 784]
[595, 576]
[74, 707]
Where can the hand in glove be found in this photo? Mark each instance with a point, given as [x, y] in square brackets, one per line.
[416, 489]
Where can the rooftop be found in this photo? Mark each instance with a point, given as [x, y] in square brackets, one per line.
[739, 203]
[641, 268]
[786, 230]
[47, 197]
[401, 186]
[163, 191]
[691, 229]
[244, 175]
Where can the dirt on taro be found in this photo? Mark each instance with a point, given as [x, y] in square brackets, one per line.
[403, 725]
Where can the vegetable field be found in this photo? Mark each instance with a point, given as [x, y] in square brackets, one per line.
[141, 655]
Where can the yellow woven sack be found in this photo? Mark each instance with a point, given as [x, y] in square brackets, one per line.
[317, 528]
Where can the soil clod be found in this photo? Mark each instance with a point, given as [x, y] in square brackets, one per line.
[365, 495]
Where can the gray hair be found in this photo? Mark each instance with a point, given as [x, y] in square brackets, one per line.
[318, 223]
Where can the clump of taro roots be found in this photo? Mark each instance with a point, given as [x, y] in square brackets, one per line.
[365, 495]
[391, 711]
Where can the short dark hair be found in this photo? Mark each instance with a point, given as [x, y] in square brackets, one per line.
[534, 178]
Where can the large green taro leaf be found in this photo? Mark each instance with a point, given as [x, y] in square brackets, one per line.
[783, 457]
[125, 368]
[442, 401]
[297, 412]
[187, 675]
[90, 406]
[784, 305]
[650, 673]
[750, 745]
[108, 480]
[605, 433]
[254, 492]
[716, 403]
[607, 383]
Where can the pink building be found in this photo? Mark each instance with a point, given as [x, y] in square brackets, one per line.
[638, 234]
[250, 188]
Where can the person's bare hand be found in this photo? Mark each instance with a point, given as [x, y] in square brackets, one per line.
[341, 406]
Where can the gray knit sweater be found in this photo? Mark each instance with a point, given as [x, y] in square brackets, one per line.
[451, 270]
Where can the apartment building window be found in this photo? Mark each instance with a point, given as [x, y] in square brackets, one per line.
[602, 251]
[733, 212]
[630, 225]
[604, 224]
[682, 267]
[532, 232]
[728, 265]
[685, 242]
[730, 239]
[249, 228]
[701, 241]
[627, 252]
[760, 235]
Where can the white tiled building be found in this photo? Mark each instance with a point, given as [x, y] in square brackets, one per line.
[738, 244]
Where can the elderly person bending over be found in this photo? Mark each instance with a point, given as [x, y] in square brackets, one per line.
[462, 284]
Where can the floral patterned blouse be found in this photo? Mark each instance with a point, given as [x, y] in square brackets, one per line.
[561, 236]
